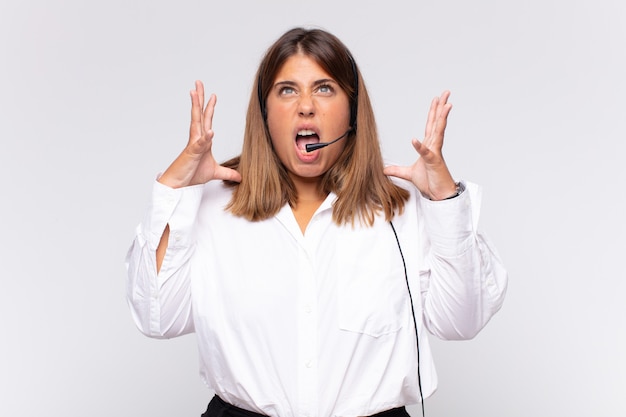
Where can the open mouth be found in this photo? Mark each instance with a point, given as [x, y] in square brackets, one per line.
[304, 137]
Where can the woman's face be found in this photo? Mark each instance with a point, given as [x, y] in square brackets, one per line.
[306, 105]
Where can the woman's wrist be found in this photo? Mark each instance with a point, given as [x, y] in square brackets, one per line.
[459, 189]
[446, 192]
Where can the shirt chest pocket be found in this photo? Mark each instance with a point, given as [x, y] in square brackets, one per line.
[371, 289]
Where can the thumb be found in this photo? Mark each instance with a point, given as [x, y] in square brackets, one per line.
[398, 171]
[227, 174]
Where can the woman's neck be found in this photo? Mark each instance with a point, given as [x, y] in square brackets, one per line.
[310, 197]
[308, 189]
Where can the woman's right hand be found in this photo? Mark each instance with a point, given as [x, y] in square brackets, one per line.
[196, 164]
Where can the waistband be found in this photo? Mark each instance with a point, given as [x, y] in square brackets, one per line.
[220, 408]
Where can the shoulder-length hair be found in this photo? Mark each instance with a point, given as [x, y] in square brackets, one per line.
[357, 178]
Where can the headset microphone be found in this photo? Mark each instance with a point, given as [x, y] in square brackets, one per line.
[310, 147]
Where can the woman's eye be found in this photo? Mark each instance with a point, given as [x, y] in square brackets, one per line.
[286, 91]
[325, 89]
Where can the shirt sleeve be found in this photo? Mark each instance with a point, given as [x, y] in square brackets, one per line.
[161, 303]
[463, 280]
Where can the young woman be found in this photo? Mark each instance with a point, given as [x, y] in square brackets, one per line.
[311, 276]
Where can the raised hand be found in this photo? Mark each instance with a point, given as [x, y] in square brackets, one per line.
[196, 164]
[430, 173]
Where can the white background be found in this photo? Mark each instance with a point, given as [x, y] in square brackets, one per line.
[94, 103]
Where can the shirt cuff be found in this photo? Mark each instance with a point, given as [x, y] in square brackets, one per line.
[451, 224]
[177, 207]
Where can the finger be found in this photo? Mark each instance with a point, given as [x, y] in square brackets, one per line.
[421, 149]
[441, 123]
[208, 114]
[200, 90]
[443, 107]
[432, 117]
[195, 128]
[443, 99]
[398, 171]
[439, 107]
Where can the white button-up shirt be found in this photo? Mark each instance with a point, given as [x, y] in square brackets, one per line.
[316, 324]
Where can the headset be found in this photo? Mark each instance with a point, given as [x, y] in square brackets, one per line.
[408, 287]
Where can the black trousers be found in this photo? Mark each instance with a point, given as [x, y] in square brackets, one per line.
[220, 408]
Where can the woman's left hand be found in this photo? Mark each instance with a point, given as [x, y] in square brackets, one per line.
[430, 173]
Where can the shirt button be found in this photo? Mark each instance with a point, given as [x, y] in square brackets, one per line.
[307, 308]
[308, 364]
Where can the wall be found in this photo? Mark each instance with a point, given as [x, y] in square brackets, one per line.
[94, 103]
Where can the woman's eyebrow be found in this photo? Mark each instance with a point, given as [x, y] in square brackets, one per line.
[290, 83]
[324, 81]
[285, 83]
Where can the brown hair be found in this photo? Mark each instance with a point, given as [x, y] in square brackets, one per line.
[357, 176]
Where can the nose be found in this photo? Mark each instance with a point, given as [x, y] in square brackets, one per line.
[306, 106]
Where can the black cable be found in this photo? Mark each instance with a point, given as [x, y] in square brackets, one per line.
[408, 287]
